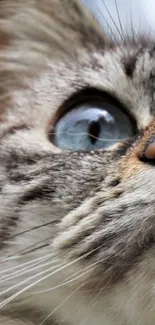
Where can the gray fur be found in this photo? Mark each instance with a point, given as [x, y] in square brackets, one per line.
[93, 212]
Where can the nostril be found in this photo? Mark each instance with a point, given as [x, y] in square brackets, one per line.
[148, 155]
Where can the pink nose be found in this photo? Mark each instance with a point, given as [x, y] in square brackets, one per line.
[149, 152]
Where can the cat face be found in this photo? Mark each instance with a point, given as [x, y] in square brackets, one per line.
[77, 226]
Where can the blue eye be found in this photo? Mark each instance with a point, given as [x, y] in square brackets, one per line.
[92, 125]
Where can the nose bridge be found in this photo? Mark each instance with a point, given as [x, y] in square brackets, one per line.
[141, 155]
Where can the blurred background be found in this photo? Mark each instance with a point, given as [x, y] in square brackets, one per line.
[136, 14]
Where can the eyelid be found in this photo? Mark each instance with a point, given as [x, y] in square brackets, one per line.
[87, 95]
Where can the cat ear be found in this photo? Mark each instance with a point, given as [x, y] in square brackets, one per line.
[34, 31]
[53, 27]
[71, 24]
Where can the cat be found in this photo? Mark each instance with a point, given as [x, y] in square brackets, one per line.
[77, 156]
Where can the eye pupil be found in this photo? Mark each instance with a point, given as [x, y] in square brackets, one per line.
[94, 130]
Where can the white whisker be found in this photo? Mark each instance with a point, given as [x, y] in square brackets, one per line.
[108, 25]
[27, 280]
[25, 270]
[18, 254]
[40, 259]
[112, 19]
[54, 310]
[8, 258]
[119, 19]
[93, 301]
[92, 136]
[44, 278]
[66, 282]
[99, 293]
[72, 278]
